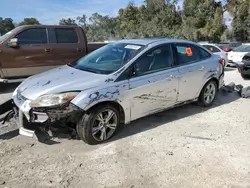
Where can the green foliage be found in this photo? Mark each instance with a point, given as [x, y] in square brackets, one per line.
[68, 21]
[30, 21]
[199, 20]
[241, 22]
[202, 20]
[6, 25]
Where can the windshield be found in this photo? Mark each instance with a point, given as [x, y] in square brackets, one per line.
[245, 48]
[108, 59]
[7, 35]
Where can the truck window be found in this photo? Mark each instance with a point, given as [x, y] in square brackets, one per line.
[33, 36]
[66, 35]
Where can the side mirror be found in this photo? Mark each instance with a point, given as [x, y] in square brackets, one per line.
[13, 43]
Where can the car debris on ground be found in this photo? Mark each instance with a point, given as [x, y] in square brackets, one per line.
[244, 92]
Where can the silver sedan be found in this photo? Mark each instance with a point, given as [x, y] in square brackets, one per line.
[117, 84]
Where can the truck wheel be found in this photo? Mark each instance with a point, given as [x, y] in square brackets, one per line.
[208, 94]
[99, 125]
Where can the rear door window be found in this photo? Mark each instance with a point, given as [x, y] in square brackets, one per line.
[212, 48]
[32, 36]
[186, 53]
[66, 35]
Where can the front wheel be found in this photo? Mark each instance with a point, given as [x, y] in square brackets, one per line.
[244, 76]
[99, 125]
[208, 94]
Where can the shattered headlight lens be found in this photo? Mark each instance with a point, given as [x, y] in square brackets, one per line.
[53, 99]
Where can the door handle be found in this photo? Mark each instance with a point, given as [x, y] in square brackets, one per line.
[78, 49]
[47, 50]
[201, 69]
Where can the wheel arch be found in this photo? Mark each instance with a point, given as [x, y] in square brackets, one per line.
[115, 104]
[208, 80]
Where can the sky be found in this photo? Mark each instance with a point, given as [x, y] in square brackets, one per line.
[51, 11]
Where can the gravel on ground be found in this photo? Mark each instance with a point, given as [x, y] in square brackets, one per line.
[186, 147]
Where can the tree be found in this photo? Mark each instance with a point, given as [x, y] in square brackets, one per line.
[82, 20]
[155, 4]
[198, 20]
[227, 36]
[129, 21]
[6, 25]
[30, 21]
[241, 22]
[202, 20]
[68, 21]
[101, 28]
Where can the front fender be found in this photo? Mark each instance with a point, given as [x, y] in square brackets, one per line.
[118, 93]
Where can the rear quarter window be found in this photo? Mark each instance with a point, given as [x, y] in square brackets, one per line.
[66, 35]
[204, 54]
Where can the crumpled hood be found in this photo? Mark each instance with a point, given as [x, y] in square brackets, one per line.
[61, 79]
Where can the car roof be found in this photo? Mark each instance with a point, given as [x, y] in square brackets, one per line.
[148, 41]
[211, 44]
[48, 26]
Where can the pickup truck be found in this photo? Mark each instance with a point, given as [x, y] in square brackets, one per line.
[32, 49]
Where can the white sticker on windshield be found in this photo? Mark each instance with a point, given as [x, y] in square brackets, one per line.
[133, 47]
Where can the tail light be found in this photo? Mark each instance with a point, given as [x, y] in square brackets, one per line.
[221, 61]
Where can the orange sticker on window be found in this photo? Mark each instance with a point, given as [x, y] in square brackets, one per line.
[189, 51]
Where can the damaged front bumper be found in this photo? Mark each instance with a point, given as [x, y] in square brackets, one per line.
[29, 119]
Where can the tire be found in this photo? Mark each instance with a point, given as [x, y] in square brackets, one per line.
[224, 63]
[203, 99]
[244, 76]
[88, 122]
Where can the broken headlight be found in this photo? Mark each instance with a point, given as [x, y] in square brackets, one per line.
[53, 99]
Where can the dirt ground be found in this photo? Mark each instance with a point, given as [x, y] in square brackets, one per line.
[184, 147]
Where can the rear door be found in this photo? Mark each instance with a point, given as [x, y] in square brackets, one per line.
[66, 45]
[30, 57]
[193, 63]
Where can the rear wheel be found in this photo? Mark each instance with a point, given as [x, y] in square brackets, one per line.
[208, 94]
[99, 125]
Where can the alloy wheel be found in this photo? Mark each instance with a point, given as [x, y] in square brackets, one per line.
[210, 92]
[104, 125]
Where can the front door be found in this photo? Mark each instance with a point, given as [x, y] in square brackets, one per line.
[192, 63]
[154, 85]
[30, 57]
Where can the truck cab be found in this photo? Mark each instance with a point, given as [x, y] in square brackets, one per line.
[29, 50]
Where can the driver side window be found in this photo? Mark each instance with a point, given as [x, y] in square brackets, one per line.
[157, 59]
[32, 36]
